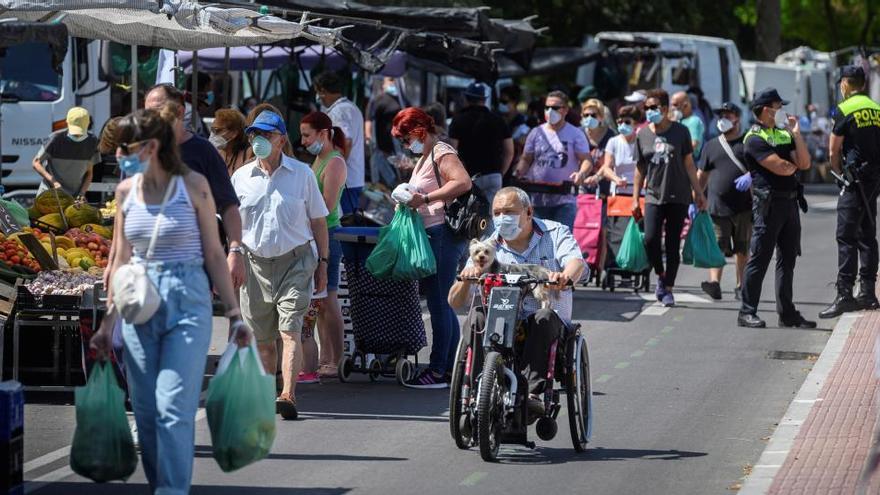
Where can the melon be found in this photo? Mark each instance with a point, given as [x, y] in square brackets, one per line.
[52, 220]
[52, 201]
[81, 214]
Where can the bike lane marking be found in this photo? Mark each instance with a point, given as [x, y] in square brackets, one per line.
[473, 478]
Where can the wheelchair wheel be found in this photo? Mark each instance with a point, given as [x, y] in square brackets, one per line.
[490, 406]
[579, 391]
[459, 420]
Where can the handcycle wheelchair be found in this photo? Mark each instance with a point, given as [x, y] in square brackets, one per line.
[489, 394]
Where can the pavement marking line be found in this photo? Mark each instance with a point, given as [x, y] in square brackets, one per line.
[474, 478]
[368, 415]
[667, 329]
[621, 365]
[783, 437]
[680, 297]
[47, 459]
[652, 342]
[638, 353]
[678, 318]
[47, 479]
[655, 309]
[603, 378]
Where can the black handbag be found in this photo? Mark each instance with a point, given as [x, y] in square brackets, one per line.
[467, 215]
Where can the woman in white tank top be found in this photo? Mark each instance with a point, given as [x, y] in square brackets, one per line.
[165, 357]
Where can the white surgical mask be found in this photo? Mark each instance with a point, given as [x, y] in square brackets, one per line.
[552, 116]
[315, 148]
[218, 141]
[724, 125]
[780, 119]
[507, 226]
[676, 115]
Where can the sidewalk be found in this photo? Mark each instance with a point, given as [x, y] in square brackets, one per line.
[821, 443]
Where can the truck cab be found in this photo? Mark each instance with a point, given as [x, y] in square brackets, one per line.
[36, 99]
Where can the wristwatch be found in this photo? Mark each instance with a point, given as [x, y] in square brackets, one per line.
[236, 249]
[323, 260]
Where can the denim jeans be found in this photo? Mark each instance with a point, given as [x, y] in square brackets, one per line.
[444, 322]
[564, 213]
[165, 362]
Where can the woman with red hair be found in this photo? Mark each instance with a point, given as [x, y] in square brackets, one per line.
[327, 143]
[438, 177]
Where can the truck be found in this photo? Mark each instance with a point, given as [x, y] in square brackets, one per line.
[674, 62]
[35, 101]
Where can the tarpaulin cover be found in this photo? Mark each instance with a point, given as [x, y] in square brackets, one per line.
[547, 60]
[55, 35]
[246, 58]
[49, 5]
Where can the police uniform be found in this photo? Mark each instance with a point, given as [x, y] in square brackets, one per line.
[857, 120]
[776, 221]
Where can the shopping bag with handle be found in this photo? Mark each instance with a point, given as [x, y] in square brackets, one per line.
[103, 448]
[240, 406]
[700, 246]
[632, 256]
[402, 251]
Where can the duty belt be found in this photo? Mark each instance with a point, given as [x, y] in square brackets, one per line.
[783, 194]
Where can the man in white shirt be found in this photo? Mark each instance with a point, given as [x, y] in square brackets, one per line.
[282, 213]
[345, 115]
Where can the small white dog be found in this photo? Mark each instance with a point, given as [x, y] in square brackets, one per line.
[483, 255]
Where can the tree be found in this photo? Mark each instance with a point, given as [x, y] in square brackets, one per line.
[768, 27]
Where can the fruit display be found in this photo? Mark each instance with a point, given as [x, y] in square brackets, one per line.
[101, 230]
[53, 220]
[91, 250]
[109, 210]
[79, 214]
[15, 257]
[53, 201]
[61, 283]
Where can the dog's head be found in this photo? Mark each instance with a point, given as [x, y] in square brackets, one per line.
[482, 253]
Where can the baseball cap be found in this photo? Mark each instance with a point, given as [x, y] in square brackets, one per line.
[268, 121]
[78, 121]
[636, 96]
[854, 71]
[475, 91]
[728, 107]
[767, 97]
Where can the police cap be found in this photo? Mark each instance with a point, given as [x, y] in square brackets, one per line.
[851, 71]
[767, 97]
[728, 107]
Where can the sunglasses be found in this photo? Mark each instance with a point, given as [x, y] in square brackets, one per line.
[595, 116]
[652, 107]
[218, 130]
[554, 107]
[132, 148]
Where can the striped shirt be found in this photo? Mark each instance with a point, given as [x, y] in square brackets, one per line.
[552, 246]
[179, 238]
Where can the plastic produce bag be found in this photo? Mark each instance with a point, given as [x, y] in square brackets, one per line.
[403, 251]
[18, 212]
[103, 449]
[240, 406]
[701, 246]
[632, 256]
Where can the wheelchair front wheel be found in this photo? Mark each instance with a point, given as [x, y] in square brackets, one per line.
[459, 418]
[579, 392]
[490, 406]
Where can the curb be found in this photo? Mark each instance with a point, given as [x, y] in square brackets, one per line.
[774, 455]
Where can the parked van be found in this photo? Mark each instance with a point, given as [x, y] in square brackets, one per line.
[671, 61]
[36, 99]
[799, 84]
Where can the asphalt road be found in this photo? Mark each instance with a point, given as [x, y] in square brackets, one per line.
[683, 400]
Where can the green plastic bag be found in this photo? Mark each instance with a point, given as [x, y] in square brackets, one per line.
[103, 449]
[19, 213]
[402, 251]
[701, 246]
[240, 406]
[632, 256]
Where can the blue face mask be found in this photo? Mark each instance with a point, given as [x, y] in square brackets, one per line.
[262, 147]
[131, 165]
[209, 98]
[590, 122]
[507, 226]
[654, 116]
[392, 90]
[315, 148]
[503, 108]
[417, 147]
[77, 139]
[625, 129]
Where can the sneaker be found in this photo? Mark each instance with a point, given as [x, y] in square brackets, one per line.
[668, 299]
[712, 289]
[660, 291]
[750, 321]
[307, 378]
[285, 405]
[427, 379]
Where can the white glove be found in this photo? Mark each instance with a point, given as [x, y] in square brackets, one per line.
[403, 193]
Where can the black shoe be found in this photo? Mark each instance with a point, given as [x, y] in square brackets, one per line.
[738, 293]
[535, 407]
[750, 321]
[867, 298]
[797, 321]
[713, 289]
[843, 303]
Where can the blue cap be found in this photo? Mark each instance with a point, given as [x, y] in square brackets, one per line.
[268, 121]
[475, 91]
[767, 97]
[854, 71]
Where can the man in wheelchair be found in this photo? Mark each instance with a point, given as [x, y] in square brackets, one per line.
[519, 239]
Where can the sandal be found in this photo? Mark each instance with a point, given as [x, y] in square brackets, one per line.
[328, 371]
[286, 406]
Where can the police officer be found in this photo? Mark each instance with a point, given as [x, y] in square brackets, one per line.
[854, 149]
[774, 151]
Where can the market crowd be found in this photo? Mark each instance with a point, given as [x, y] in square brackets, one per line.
[275, 264]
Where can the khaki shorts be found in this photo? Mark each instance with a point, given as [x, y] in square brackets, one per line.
[734, 233]
[277, 292]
